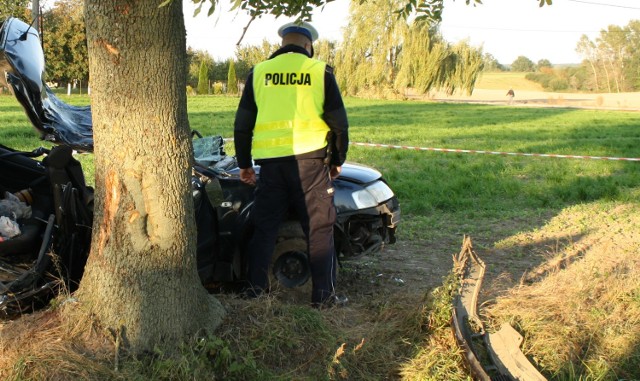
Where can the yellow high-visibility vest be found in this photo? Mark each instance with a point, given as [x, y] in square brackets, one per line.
[289, 93]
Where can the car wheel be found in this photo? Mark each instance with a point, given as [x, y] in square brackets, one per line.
[290, 263]
[290, 270]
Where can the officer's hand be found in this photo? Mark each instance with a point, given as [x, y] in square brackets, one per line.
[248, 176]
[335, 171]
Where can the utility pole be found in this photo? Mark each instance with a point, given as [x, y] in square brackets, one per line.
[35, 14]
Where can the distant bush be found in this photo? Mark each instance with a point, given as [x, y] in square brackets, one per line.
[558, 84]
[550, 81]
[218, 88]
[562, 79]
[541, 78]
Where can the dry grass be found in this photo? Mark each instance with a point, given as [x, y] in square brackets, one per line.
[580, 310]
[491, 88]
[347, 343]
[503, 81]
[439, 357]
[54, 346]
[262, 339]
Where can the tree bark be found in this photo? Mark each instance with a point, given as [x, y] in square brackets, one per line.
[141, 278]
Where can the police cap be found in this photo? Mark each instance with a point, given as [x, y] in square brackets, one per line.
[303, 28]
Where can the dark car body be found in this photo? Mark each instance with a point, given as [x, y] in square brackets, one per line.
[367, 210]
[50, 253]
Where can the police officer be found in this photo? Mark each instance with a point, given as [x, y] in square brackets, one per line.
[291, 120]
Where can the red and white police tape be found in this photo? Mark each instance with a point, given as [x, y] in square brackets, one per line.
[494, 152]
[454, 150]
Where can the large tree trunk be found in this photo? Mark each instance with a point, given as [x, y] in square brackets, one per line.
[141, 278]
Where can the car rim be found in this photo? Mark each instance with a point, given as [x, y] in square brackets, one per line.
[292, 269]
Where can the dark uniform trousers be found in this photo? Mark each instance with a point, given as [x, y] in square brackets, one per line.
[306, 186]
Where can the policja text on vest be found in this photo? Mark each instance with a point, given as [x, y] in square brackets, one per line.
[287, 79]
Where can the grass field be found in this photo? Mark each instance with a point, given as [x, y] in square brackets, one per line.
[490, 185]
[548, 220]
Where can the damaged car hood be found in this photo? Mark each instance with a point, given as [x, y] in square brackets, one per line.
[22, 63]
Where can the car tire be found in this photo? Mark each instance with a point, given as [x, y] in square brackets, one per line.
[290, 273]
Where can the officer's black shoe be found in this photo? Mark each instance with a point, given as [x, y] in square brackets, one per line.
[330, 302]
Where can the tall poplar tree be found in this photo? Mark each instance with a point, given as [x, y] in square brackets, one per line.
[232, 80]
[203, 79]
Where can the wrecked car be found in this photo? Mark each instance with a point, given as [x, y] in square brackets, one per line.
[368, 212]
[45, 208]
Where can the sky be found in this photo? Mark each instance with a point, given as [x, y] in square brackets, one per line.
[504, 28]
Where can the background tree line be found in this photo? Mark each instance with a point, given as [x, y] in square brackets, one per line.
[611, 64]
[613, 59]
[15, 8]
[382, 55]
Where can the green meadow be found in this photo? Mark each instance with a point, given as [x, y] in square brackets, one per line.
[461, 186]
